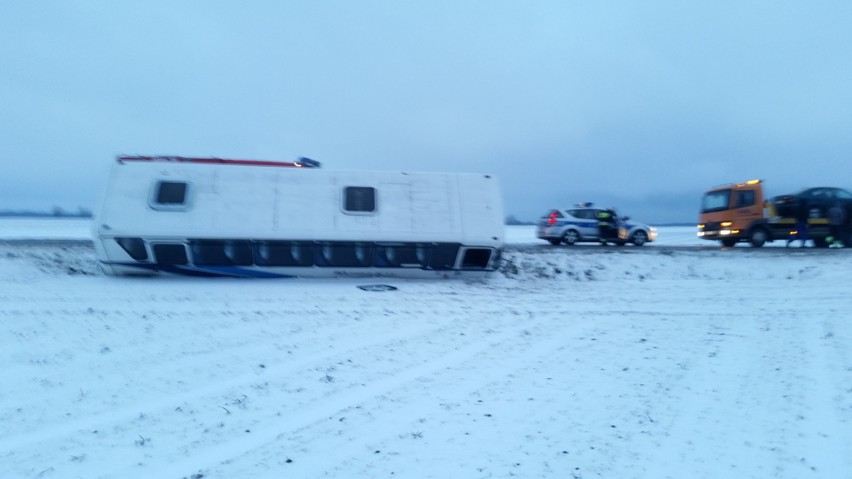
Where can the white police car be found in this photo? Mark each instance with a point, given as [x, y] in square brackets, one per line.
[580, 224]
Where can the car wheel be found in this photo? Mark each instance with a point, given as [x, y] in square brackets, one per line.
[820, 242]
[758, 237]
[570, 237]
[639, 238]
[729, 242]
[554, 241]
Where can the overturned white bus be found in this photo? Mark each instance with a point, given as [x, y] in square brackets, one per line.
[264, 219]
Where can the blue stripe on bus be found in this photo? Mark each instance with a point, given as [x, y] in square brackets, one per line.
[206, 272]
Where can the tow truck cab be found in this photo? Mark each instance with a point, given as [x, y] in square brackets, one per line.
[739, 213]
[731, 213]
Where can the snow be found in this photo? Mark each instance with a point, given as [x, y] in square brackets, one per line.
[22, 228]
[583, 362]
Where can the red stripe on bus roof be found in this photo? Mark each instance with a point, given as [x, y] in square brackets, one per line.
[214, 161]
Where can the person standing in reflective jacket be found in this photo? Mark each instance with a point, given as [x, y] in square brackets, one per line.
[606, 225]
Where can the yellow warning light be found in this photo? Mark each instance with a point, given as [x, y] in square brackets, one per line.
[749, 183]
[725, 224]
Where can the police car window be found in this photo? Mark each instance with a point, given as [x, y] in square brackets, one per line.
[843, 194]
[359, 199]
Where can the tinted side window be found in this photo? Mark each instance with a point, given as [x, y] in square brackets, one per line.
[135, 247]
[359, 199]
[411, 255]
[170, 193]
[745, 198]
[284, 253]
[168, 254]
[344, 254]
[843, 194]
[588, 214]
[818, 193]
[221, 253]
[444, 256]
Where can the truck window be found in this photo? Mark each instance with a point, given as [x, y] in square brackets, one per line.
[716, 201]
[745, 198]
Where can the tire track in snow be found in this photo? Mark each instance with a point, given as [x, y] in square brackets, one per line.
[819, 440]
[120, 425]
[380, 420]
[19, 441]
[271, 433]
[499, 356]
[718, 401]
[174, 353]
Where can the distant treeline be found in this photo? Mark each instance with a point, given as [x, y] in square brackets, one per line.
[56, 212]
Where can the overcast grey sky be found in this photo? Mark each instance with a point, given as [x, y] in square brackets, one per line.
[640, 105]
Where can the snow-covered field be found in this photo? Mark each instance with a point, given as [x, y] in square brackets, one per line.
[595, 362]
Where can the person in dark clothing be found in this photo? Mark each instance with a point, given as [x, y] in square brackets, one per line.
[837, 223]
[606, 225]
[802, 213]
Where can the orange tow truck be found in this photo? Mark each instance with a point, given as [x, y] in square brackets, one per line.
[739, 213]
